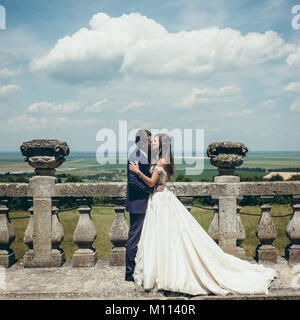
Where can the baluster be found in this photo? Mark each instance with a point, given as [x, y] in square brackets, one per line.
[28, 236]
[118, 234]
[292, 251]
[227, 224]
[84, 236]
[266, 233]
[7, 236]
[213, 229]
[187, 202]
[57, 235]
[240, 231]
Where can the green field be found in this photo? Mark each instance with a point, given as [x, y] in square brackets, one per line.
[103, 218]
[85, 164]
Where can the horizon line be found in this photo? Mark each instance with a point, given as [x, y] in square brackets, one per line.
[89, 151]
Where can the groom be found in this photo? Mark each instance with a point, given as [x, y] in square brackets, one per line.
[137, 197]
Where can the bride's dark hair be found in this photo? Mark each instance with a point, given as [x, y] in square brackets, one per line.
[165, 151]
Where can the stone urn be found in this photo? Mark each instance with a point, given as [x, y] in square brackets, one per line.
[45, 155]
[226, 156]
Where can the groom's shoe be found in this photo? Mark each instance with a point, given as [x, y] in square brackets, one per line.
[129, 277]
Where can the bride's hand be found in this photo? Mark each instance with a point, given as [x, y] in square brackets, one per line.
[134, 167]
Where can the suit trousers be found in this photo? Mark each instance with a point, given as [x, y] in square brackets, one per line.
[134, 234]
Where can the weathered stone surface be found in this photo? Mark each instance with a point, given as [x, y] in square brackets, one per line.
[223, 187]
[57, 235]
[42, 188]
[227, 224]
[17, 190]
[119, 235]
[84, 236]
[293, 232]
[7, 236]
[28, 238]
[266, 233]
[268, 188]
[106, 283]
[227, 218]
[118, 189]
[213, 229]
[45, 155]
[240, 234]
[226, 156]
[112, 189]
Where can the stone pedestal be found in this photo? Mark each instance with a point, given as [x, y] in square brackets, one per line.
[44, 232]
[85, 257]
[84, 236]
[266, 253]
[43, 189]
[293, 253]
[118, 235]
[227, 217]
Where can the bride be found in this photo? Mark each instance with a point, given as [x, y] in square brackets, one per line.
[176, 254]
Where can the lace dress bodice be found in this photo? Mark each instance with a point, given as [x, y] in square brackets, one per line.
[162, 172]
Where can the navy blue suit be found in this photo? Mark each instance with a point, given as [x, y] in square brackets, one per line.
[136, 204]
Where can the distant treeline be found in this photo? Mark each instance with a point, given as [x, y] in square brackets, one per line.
[285, 170]
[251, 169]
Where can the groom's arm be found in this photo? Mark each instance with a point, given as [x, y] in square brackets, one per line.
[136, 183]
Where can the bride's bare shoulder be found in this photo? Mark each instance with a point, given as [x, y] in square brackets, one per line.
[161, 162]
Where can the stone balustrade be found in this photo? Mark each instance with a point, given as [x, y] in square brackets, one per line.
[44, 232]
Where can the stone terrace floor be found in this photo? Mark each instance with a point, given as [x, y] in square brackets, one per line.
[107, 283]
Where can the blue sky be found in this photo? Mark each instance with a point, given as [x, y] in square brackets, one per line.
[70, 68]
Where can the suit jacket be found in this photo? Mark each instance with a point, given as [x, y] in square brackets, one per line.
[137, 190]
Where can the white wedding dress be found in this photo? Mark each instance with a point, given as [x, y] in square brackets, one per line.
[176, 254]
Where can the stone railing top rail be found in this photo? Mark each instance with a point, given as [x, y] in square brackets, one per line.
[184, 189]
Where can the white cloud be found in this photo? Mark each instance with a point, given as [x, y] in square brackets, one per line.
[136, 44]
[240, 114]
[292, 87]
[293, 60]
[271, 103]
[277, 115]
[9, 91]
[98, 106]
[51, 107]
[207, 96]
[295, 106]
[133, 105]
[76, 122]
[24, 122]
[6, 73]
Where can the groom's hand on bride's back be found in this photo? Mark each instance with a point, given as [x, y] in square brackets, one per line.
[160, 187]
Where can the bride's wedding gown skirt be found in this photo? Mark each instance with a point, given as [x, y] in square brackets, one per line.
[175, 253]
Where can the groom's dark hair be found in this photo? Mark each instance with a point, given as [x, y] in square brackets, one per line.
[141, 134]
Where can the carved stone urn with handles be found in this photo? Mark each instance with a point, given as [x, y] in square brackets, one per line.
[45, 155]
[226, 156]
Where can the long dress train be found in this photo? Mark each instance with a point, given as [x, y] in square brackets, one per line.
[175, 253]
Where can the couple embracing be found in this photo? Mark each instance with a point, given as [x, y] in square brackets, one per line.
[167, 248]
